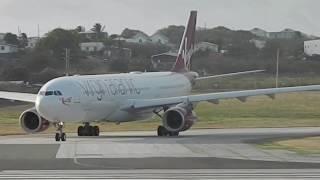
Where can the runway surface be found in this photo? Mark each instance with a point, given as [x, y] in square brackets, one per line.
[206, 153]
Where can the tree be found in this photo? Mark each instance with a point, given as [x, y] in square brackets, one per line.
[174, 33]
[80, 29]
[97, 28]
[11, 39]
[60, 39]
[23, 40]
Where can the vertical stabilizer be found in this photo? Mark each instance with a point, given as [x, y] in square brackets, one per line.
[186, 49]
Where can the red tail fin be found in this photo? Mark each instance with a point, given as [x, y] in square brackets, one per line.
[186, 49]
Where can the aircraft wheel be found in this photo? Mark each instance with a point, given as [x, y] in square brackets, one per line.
[80, 130]
[96, 130]
[174, 133]
[57, 137]
[63, 137]
[162, 131]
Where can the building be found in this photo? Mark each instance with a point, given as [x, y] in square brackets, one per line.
[91, 35]
[285, 34]
[312, 47]
[7, 48]
[159, 38]
[2, 35]
[206, 46]
[163, 61]
[92, 46]
[139, 38]
[259, 32]
[32, 42]
[116, 53]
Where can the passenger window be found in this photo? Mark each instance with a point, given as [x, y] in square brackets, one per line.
[55, 93]
[59, 93]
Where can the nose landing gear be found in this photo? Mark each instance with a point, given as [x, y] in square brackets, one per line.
[60, 135]
[88, 130]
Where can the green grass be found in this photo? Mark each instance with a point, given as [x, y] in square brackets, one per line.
[303, 146]
[257, 81]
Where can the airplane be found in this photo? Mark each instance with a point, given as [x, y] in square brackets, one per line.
[130, 96]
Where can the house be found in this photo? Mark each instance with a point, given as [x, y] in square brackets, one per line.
[204, 46]
[32, 42]
[260, 44]
[159, 38]
[116, 53]
[7, 48]
[92, 46]
[139, 38]
[163, 61]
[285, 34]
[91, 35]
[259, 32]
[2, 35]
[312, 47]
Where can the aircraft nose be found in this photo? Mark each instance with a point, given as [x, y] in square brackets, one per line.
[42, 106]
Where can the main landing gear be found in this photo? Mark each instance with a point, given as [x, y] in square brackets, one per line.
[60, 135]
[88, 130]
[162, 131]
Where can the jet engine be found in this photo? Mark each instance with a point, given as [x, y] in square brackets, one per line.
[179, 118]
[32, 122]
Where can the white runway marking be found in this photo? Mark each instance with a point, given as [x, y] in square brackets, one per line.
[184, 146]
[164, 174]
[220, 143]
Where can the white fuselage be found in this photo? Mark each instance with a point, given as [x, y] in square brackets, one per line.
[101, 97]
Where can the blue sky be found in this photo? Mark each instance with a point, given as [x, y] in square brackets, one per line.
[150, 15]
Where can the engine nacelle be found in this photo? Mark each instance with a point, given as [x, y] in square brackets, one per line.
[32, 122]
[178, 118]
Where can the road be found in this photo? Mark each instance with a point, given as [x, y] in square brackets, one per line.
[197, 151]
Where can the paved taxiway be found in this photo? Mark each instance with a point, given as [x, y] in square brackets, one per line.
[195, 149]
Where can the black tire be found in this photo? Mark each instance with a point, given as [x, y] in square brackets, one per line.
[63, 137]
[80, 131]
[57, 137]
[174, 133]
[96, 130]
[90, 131]
[161, 131]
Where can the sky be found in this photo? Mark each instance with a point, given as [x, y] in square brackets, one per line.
[151, 15]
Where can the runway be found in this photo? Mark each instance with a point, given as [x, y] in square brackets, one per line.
[195, 151]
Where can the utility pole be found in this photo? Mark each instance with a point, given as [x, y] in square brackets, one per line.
[277, 71]
[67, 58]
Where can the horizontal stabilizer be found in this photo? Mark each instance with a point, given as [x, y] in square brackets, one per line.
[230, 74]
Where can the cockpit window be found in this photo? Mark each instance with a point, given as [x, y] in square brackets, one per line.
[57, 93]
[50, 93]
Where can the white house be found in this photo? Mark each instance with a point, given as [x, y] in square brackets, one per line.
[7, 48]
[2, 35]
[91, 46]
[140, 38]
[92, 35]
[203, 46]
[159, 38]
[32, 42]
[312, 47]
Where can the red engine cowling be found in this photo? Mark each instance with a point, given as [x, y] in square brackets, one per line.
[179, 118]
[32, 122]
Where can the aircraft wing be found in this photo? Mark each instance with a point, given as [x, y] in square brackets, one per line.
[229, 74]
[26, 97]
[133, 104]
